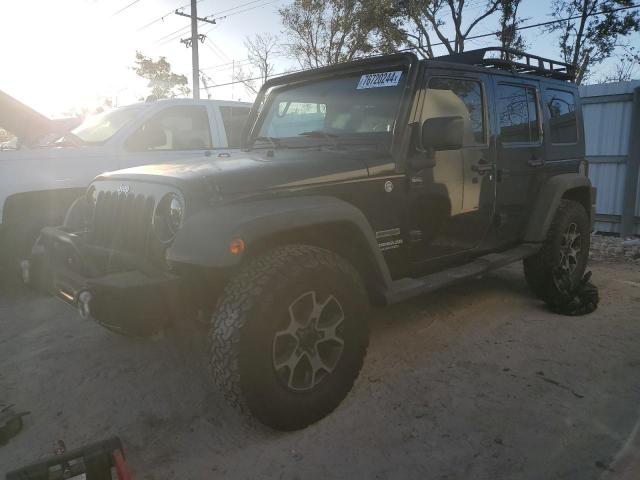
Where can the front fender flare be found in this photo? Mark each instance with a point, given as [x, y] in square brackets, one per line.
[204, 237]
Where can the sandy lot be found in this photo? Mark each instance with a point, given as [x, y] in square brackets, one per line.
[477, 382]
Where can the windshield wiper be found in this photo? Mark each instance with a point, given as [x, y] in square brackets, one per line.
[318, 134]
[275, 142]
[321, 134]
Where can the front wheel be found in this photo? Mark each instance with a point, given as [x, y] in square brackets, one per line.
[565, 252]
[289, 335]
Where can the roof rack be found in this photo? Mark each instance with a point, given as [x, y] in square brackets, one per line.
[515, 61]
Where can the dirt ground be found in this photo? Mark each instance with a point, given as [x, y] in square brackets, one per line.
[479, 381]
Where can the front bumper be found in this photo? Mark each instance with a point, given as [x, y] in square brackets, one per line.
[116, 289]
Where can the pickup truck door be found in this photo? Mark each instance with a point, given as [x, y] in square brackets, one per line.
[174, 133]
[451, 203]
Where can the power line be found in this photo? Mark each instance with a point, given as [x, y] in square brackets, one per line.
[226, 66]
[247, 9]
[125, 7]
[181, 31]
[484, 35]
[178, 33]
[236, 7]
[162, 17]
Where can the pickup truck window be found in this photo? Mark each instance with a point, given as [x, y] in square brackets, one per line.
[234, 119]
[97, 129]
[352, 105]
[182, 127]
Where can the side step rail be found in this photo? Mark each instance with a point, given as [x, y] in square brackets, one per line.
[406, 288]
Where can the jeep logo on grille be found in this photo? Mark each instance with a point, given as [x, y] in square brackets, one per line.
[123, 188]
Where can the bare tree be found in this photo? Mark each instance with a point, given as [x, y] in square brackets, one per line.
[622, 72]
[595, 34]
[325, 32]
[261, 49]
[426, 18]
[509, 35]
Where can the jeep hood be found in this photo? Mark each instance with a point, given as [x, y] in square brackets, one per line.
[248, 172]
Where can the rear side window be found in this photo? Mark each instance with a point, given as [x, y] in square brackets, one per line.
[562, 116]
[518, 114]
[448, 97]
[234, 119]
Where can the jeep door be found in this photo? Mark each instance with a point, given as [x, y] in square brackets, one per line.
[174, 133]
[451, 202]
[520, 153]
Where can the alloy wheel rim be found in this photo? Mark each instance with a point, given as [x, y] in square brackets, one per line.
[570, 248]
[311, 343]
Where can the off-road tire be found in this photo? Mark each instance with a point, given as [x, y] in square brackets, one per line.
[254, 303]
[539, 268]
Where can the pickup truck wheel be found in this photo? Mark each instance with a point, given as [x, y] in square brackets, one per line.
[289, 335]
[566, 249]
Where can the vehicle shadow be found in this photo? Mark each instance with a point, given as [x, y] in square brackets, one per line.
[157, 395]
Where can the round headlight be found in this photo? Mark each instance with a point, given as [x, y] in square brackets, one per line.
[168, 217]
[176, 211]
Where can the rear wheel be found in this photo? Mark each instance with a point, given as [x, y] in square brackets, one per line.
[289, 335]
[564, 252]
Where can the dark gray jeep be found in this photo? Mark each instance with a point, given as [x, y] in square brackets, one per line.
[364, 183]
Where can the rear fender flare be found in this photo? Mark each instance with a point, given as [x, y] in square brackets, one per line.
[547, 203]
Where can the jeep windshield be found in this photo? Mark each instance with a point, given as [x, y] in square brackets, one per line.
[97, 129]
[358, 107]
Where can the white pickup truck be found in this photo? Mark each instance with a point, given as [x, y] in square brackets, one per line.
[38, 182]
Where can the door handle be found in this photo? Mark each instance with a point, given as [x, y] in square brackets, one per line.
[535, 162]
[482, 168]
[224, 155]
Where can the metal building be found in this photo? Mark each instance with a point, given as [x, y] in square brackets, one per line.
[612, 136]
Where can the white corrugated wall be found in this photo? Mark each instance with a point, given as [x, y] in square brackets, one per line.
[607, 113]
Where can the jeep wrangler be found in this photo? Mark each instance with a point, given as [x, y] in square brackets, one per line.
[367, 182]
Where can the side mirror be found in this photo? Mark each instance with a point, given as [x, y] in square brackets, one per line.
[442, 133]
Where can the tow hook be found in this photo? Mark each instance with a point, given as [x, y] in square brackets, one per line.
[84, 304]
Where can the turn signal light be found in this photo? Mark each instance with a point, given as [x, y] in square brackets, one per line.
[236, 246]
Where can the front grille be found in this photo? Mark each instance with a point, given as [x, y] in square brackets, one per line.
[122, 221]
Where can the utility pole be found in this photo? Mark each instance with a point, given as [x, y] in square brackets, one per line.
[195, 61]
[193, 43]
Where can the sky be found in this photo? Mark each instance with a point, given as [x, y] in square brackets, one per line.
[62, 55]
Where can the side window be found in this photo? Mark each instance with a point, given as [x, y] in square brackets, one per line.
[518, 114]
[448, 97]
[234, 119]
[174, 128]
[562, 116]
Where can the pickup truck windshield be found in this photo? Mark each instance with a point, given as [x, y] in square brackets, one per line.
[356, 105]
[97, 129]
